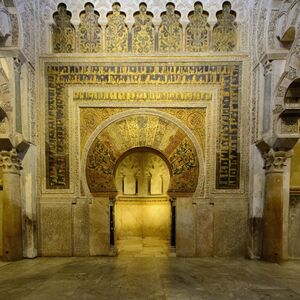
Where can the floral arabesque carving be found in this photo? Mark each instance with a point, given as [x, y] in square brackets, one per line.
[116, 30]
[89, 30]
[170, 30]
[197, 31]
[225, 31]
[143, 31]
[63, 34]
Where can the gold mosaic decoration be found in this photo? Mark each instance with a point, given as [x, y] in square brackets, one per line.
[226, 75]
[194, 118]
[225, 31]
[63, 32]
[92, 117]
[142, 131]
[116, 30]
[143, 31]
[197, 31]
[89, 30]
[170, 30]
[143, 96]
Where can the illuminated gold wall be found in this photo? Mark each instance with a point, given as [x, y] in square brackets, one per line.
[143, 218]
[188, 108]
[295, 167]
[1, 215]
[142, 207]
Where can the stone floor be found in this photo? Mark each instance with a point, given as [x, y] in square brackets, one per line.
[148, 278]
[143, 247]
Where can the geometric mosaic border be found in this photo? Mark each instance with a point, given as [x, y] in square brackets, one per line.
[225, 74]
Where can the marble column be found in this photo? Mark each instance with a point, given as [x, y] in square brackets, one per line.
[275, 219]
[12, 210]
[173, 224]
[17, 70]
[112, 227]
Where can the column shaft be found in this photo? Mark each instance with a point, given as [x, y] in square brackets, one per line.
[275, 219]
[12, 208]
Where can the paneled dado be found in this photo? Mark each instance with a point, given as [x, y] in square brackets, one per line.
[189, 110]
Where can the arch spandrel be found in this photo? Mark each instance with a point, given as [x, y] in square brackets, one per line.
[149, 131]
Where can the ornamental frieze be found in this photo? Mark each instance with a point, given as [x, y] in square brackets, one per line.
[142, 36]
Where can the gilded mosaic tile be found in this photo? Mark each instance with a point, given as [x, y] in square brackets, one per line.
[225, 75]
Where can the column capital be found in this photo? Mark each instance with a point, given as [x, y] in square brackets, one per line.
[275, 161]
[268, 67]
[112, 201]
[17, 65]
[10, 162]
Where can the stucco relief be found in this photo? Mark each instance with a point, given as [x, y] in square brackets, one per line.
[197, 31]
[170, 30]
[5, 25]
[89, 30]
[156, 7]
[130, 14]
[27, 10]
[63, 35]
[116, 30]
[224, 36]
[261, 34]
[143, 31]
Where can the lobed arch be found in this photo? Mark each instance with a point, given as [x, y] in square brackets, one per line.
[142, 149]
[155, 130]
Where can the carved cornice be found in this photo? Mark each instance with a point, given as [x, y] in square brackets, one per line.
[275, 161]
[10, 162]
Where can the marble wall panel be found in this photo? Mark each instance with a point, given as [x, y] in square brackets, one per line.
[56, 229]
[185, 227]
[295, 167]
[294, 227]
[81, 229]
[28, 184]
[99, 227]
[230, 231]
[205, 230]
[143, 220]
[1, 231]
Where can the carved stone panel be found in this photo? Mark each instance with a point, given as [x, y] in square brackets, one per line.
[197, 38]
[55, 229]
[89, 30]
[170, 30]
[225, 31]
[63, 31]
[116, 30]
[5, 25]
[143, 31]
